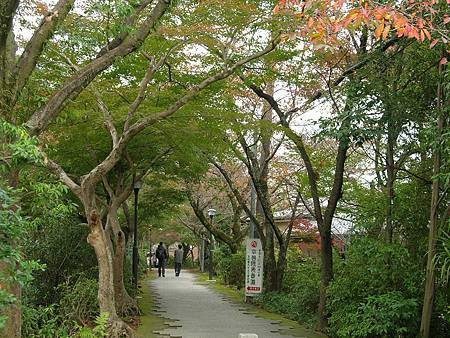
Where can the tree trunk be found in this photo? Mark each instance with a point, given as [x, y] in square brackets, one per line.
[390, 179]
[13, 312]
[432, 237]
[125, 304]
[106, 295]
[281, 268]
[326, 271]
[270, 264]
[271, 274]
[185, 251]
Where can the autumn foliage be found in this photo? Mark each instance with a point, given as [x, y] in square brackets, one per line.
[325, 22]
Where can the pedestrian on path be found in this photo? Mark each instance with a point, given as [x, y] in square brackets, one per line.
[161, 254]
[178, 259]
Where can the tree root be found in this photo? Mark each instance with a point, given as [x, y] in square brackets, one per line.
[128, 307]
[119, 329]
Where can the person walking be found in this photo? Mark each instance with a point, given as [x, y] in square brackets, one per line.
[161, 254]
[178, 259]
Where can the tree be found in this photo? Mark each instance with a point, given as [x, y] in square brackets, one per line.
[16, 72]
[212, 192]
[442, 123]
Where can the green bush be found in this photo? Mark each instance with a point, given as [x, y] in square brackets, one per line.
[300, 295]
[375, 292]
[230, 267]
[385, 315]
[79, 301]
[100, 329]
[302, 279]
[62, 264]
[280, 302]
[44, 322]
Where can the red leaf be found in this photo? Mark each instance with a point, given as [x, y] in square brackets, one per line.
[443, 60]
[41, 8]
[433, 43]
[446, 19]
[379, 30]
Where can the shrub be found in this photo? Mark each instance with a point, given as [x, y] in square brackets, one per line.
[230, 267]
[100, 329]
[280, 302]
[79, 302]
[300, 295]
[390, 314]
[44, 322]
[302, 279]
[62, 265]
[375, 292]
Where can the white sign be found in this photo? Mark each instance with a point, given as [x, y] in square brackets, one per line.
[253, 267]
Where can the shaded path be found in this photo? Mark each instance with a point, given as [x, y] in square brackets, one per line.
[196, 311]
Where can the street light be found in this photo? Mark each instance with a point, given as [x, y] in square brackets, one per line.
[211, 213]
[137, 186]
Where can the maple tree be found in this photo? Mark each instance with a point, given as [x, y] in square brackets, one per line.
[324, 20]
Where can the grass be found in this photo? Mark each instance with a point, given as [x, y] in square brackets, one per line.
[292, 327]
[149, 322]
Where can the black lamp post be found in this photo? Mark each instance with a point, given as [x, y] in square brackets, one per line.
[211, 213]
[137, 186]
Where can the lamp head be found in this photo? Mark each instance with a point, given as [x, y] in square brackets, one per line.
[211, 212]
[137, 185]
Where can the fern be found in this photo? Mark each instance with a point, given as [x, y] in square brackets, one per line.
[99, 331]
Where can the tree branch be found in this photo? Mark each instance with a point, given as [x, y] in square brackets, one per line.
[240, 199]
[107, 116]
[144, 83]
[146, 121]
[129, 21]
[34, 47]
[7, 11]
[40, 120]
[59, 171]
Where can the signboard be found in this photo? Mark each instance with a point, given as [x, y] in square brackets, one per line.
[253, 267]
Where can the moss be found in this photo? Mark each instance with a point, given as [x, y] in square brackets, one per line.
[149, 321]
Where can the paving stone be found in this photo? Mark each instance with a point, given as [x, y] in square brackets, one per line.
[202, 313]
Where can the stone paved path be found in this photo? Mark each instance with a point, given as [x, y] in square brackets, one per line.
[196, 311]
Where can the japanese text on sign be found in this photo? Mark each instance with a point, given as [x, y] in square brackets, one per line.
[253, 267]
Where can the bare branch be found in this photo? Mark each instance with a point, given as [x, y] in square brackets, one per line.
[240, 199]
[107, 116]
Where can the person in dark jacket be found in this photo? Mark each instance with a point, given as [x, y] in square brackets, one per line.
[178, 259]
[161, 254]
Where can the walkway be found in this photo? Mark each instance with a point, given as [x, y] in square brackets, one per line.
[196, 311]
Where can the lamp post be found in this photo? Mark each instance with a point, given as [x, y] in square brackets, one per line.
[137, 186]
[150, 244]
[211, 213]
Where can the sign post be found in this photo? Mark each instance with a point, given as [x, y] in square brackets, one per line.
[253, 267]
